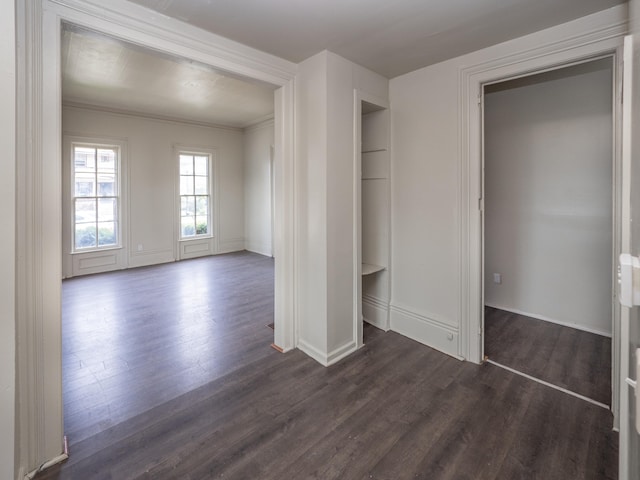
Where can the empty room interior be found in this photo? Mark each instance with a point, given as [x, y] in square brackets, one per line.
[361, 240]
[549, 214]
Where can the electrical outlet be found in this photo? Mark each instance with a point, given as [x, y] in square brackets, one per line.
[497, 278]
[140, 247]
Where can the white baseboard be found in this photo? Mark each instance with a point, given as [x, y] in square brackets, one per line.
[260, 248]
[44, 466]
[425, 330]
[376, 312]
[329, 358]
[341, 352]
[552, 320]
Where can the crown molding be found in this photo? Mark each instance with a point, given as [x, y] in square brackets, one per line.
[149, 116]
[143, 27]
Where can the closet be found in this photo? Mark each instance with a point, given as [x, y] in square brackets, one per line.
[375, 211]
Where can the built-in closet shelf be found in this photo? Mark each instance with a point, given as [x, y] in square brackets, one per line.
[368, 268]
[375, 150]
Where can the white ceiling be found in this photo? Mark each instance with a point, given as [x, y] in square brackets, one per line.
[390, 37]
[101, 71]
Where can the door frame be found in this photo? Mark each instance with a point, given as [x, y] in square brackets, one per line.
[602, 42]
[617, 189]
[39, 426]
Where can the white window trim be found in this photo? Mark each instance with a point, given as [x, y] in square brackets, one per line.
[118, 195]
[211, 238]
[71, 256]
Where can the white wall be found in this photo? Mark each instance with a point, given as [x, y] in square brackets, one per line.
[258, 142]
[426, 186]
[311, 177]
[151, 175]
[325, 204]
[548, 196]
[7, 240]
[633, 467]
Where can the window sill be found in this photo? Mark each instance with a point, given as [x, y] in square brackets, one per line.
[192, 239]
[96, 250]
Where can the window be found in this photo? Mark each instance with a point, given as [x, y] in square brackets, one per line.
[95, 197]
[195, 199]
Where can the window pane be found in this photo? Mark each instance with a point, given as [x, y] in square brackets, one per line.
[188, 226]
[201, 166]
[106, 184]
[186, 164]
[201, 185]
[187, 207]
[85, 210]
[85, 235]
[95, 191]
[201, 225]
[106, 160]
[84, 159]
[107, 209]
[107, 234]
[202, 206]
[186, 185]
[84, 184]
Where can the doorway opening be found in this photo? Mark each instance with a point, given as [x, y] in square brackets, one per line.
[143, 330]
[549, 226]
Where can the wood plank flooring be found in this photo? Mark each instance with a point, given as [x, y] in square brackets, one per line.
[136, 339]
[569, 358]
[395, 409]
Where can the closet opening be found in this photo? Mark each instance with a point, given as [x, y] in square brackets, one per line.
[549, 226]
[372, 213]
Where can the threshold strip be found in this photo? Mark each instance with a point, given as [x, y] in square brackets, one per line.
[569, 392]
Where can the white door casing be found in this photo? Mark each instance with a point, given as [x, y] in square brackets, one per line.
[584, 47]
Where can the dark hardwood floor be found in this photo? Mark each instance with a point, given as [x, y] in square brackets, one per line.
[573, 359]
[135, 339]
[393, 410]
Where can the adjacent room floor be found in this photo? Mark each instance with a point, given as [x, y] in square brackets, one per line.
[573, 359]
[169, 375]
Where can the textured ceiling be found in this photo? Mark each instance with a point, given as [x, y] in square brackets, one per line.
[390, 37]
[101, 71]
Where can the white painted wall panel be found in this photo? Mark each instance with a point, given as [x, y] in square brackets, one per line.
[631, 456]
[258, 141]
[340, 201]
[7, 240]
[424, 152]
[311, 154]
[548, 196]
[375, 131]
[375, 165]
[152, 178]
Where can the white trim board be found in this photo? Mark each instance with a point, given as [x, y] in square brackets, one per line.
[429, 331]
[552, 320]
[550, 385]
[375, 311]
[330, 358]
